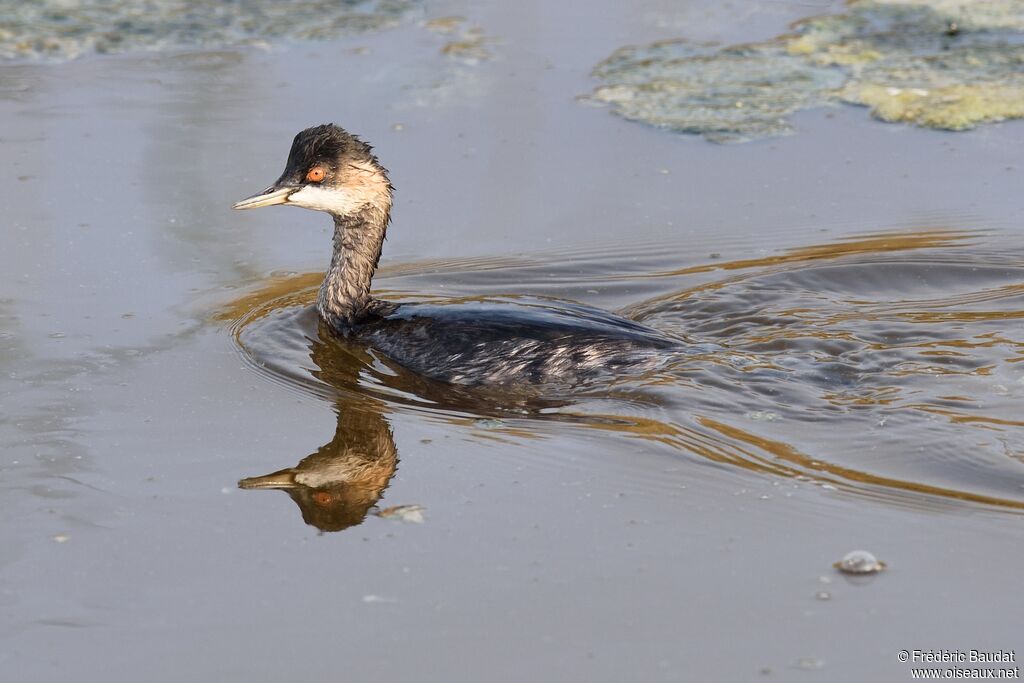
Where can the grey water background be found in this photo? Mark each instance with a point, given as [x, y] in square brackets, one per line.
[128, 413]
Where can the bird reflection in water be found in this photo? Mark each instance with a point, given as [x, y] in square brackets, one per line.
[337, 486]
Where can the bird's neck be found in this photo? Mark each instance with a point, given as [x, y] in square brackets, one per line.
[358, 238]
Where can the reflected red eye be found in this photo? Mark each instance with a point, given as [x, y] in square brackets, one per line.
[316, 174]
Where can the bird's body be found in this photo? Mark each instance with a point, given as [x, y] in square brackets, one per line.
[495, 341]
[504, 341]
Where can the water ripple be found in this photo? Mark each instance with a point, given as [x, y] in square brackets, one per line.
[888, 366]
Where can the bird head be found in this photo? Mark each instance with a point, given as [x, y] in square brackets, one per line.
[331, 170]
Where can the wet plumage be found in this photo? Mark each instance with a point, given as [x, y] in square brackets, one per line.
[497, 341]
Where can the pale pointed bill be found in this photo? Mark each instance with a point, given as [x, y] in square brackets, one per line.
[269, 197]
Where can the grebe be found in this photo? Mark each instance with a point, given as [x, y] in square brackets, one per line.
[494, 342]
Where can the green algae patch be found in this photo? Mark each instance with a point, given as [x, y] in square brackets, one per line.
[955, 107]
[58, 30]
[945, 64]
[726, 95]
[975, 15]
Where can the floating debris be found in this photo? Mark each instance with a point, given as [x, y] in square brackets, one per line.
[471, 49]
[468, 51]
[60, 30]
[444, 24]
[901, 59]
[859, 562]
[412, 514]
[810, 663]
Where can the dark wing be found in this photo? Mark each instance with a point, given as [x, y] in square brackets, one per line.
[504, 341]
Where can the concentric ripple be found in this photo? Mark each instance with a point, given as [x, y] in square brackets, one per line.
[888, 366]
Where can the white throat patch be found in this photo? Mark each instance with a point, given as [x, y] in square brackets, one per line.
[362, 185]
[334, 201]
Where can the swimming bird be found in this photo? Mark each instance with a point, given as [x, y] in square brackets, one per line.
[497, 341]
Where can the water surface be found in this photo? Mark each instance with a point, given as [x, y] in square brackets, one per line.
[855, 288]
[820, 364]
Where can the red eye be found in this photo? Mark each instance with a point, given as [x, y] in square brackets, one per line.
[316, 174]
